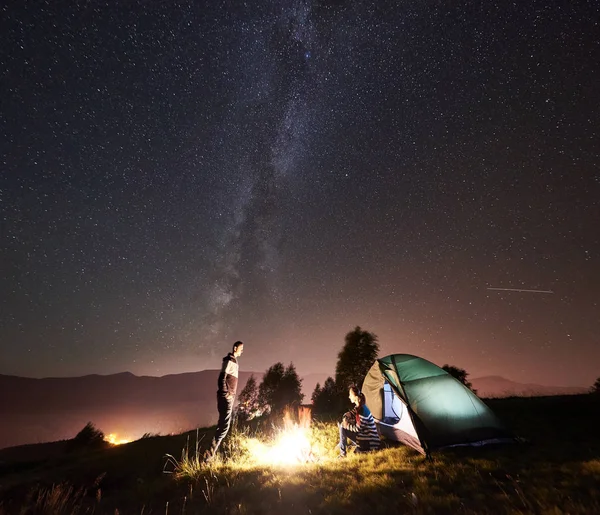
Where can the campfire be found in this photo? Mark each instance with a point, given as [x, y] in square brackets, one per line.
[291, 444]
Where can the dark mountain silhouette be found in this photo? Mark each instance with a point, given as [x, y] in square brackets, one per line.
[497, 386]
[487, 387]
[50, 409]
[53, 409]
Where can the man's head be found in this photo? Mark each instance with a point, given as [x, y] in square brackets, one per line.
[238, 348]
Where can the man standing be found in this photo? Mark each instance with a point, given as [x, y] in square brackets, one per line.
[227, 383]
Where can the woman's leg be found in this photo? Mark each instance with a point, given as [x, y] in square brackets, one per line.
[345, 435]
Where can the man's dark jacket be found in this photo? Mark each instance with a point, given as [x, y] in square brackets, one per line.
[228, 378]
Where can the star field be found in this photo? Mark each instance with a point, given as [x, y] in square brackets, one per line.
[177, 176]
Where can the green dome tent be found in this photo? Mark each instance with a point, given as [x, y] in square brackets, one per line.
[421, 405]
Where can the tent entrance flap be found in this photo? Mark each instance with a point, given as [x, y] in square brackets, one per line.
[392, 406]
[397, 418]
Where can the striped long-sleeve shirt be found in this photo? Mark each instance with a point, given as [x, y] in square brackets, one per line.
[362, 422]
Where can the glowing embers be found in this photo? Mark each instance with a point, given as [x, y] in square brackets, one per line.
[114, 440]
[290, 445]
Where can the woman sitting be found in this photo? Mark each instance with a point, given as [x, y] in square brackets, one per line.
[358, 425]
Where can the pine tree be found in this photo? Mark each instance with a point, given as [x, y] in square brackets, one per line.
[326, 400]
[248, 405]
[355, 359]
[279, 388]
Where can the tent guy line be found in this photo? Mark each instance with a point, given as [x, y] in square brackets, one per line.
[520, 290]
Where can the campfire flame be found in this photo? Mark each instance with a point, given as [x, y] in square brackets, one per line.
[291, 445]
[114, 440]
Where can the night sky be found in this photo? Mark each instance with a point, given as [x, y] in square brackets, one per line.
[178, 175]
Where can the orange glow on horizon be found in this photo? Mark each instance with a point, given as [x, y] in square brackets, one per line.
[114, 440]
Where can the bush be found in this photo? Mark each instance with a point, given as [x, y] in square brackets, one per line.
[88, 438]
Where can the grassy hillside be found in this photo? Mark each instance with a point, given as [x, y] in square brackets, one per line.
[556, 471]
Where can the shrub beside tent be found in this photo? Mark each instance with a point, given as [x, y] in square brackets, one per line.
[421, 405]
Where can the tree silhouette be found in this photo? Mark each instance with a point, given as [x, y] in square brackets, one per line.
[248, 405]
[279, 388]
[355, 359]
[326, 399]
[460, 374]
[596, 387]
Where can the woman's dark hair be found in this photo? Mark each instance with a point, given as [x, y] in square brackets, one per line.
[361, 396]
[236, 345]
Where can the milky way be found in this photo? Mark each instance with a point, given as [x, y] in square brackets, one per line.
[179, 176]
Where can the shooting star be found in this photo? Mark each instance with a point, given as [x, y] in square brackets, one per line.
[520, 290]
